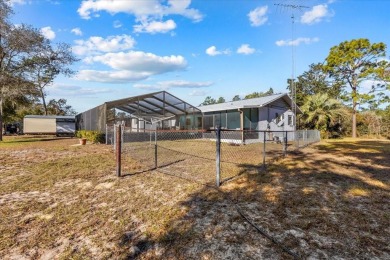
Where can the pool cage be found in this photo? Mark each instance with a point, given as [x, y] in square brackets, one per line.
[158, 110]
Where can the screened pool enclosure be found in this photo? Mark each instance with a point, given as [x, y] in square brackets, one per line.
[159, 110]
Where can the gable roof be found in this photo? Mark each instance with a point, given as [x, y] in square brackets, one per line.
[249, 103]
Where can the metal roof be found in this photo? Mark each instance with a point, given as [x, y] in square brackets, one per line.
[49, 117]
[153, 105]
[248, 103]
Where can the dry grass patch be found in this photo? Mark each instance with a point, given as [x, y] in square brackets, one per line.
[63, 201]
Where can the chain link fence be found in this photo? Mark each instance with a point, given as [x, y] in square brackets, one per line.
[211, 157]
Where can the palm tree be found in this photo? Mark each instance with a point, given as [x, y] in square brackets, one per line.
[322, 112]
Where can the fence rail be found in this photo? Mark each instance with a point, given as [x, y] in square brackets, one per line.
[207, 156]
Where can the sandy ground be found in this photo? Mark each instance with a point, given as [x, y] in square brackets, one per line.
[60, 201]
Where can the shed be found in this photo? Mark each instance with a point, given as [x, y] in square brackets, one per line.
[53, 125]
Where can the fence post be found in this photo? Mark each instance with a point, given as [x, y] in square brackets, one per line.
[218, 155]
[118, 150]
[155, 148]
[264, 140]
[106, 135]
[285, 144]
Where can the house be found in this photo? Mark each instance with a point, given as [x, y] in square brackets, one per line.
[273, 112]
[270, 113]
[162, 110]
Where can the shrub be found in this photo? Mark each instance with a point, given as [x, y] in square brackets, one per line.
[92, 136]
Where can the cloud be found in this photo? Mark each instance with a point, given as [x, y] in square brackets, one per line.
[96, 44]
[141, 61]
[64, 90]
[258, 16]
[150, 9]
[316, 14]
[131, 66]
[212, 51]
[165, 85]
[122, 76]
[117, 24]
[77, 31]
[197, 92]
[155, 27]
[48, 33]
[296, 42]
[245, 49]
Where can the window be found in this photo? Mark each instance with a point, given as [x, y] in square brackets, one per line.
[277, 118]
[290, 120]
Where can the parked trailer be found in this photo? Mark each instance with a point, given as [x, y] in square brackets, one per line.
[51, 125]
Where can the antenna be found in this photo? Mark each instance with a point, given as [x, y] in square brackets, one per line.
[292, 8]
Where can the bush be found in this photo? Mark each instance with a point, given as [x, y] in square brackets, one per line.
[92, 136]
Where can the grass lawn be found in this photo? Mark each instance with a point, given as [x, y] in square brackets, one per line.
[61, 200]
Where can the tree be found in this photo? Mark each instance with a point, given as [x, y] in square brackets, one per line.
[17, 43]
[322, 112]
[314, 81]
[369, 123]
[208, 101]
[259, 94]
[352, 62]
[46, 64]
[60, 108]
[220, 100]
[236, 98]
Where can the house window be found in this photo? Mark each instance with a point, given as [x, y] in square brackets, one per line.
[277, 118]
[290, 120]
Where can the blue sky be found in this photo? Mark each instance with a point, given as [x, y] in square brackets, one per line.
[197, 48]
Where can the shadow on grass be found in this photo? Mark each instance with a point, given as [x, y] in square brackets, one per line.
[329, 205]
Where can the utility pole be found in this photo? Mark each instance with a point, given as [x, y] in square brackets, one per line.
[293, 90]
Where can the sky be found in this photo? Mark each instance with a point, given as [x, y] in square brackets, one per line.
[195, 48]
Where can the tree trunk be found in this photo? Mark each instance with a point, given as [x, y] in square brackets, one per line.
[43, 101]
[354, 120]
[1, 119]
[354, 105]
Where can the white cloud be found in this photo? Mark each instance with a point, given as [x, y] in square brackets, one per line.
[212, 51]
[141, 9]
[122, 76]
[297, 41]
[258, 16]
[48, 33]
[316, 14]
[77, 31]
[98, 44]
[141, 61]
[117, 24]
[64, 90]
[131, 66]
[245, 49]
[155, 27]
[165, 85]
[198, 92]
